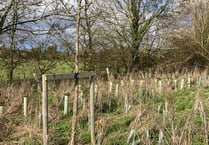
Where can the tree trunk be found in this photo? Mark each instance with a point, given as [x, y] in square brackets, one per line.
[75, 112]
[10, 75]
[75, 103]
[90, 51]
[12, 51]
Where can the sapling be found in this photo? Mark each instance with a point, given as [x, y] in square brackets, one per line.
[166, 109]
[25, 101]
[182, 84]
[131, 91]
[1, 109]
[110, 94]
[158, 108]
[175, 85]
[147, 133]
[116, 90]
[108, 73]
[189, 82]
[65, 104]
[160, 138]
[122, 86]
[160, 86]
[155, 84]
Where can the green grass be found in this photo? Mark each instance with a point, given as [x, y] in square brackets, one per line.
[26, 70]
[119, 124]
[117, 132]
[62, 130]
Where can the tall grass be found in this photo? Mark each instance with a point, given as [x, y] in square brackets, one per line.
[143, 111]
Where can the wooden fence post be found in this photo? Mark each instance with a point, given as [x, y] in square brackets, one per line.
[92, 110]
[45, 109]
[52, 77]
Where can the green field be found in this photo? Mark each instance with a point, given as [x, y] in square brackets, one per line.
[26, 70]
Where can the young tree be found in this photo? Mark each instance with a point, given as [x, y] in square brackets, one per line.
[75, 101]
[88, 29]
[13, 63]
[42, 60]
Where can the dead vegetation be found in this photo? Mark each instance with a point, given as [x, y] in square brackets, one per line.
[140, 112]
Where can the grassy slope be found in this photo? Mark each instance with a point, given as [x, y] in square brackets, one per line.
[183, 121]
[186, 119]
[26, 70]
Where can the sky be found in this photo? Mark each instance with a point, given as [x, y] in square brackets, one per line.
[41, 27]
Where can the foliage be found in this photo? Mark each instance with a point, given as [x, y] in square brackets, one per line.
[189, 42]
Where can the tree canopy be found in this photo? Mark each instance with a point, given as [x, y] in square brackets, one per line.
[124, 36]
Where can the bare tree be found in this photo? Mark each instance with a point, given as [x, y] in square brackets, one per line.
[18, 24]
[89, 18]
[24, 10]
[10, 55]
[129, 21]
[42, 60]
[75, 101]
[190, 39]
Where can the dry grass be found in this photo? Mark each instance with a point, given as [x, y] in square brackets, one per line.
[157, 115]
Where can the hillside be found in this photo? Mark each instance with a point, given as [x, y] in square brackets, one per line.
[137, 109]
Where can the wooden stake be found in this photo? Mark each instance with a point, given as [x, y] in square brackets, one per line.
[92, 110]
[45, 109]
[50, 77]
